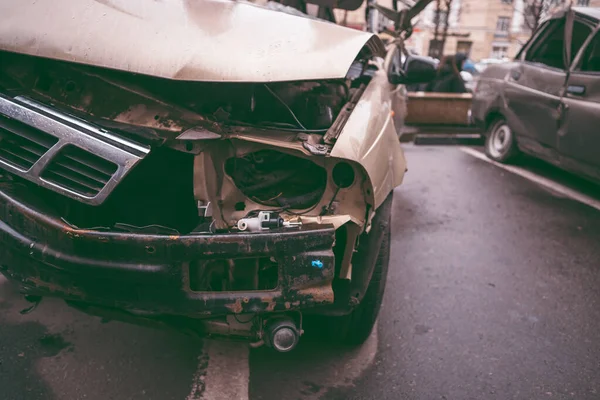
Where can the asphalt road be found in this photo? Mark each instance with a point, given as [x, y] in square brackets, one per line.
[493, 293]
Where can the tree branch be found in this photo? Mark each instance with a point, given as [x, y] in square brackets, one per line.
[438, 9]
[534, 10]
[448, 4]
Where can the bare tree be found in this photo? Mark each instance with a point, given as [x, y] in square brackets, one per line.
[436, 19]
[448, 5]
[441, 21]
[535, 10]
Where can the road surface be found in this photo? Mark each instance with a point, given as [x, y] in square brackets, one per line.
[493, 293]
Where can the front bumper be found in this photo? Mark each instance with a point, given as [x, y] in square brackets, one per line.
[150, 274]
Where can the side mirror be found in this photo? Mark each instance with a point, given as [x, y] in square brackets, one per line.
[417, 69]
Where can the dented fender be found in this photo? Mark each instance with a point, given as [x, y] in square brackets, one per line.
[369, 138]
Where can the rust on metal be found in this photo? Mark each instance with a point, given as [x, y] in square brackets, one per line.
[236, 307]
[318, 294]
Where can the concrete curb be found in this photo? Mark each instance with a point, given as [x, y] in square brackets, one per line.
[467, 139]
[442, 135]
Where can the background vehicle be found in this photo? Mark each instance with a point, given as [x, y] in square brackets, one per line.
[546, 102]
[470, 79]
[225, 182]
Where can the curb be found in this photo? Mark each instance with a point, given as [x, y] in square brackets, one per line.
[467, 139]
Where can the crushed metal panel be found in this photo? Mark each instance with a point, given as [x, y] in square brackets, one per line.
[370, 139]
[208, 40]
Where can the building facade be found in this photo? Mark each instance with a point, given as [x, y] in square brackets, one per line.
[480, 28]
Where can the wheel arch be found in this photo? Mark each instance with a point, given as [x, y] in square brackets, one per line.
[493, 115]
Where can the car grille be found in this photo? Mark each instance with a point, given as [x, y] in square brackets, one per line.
[22, 145]
[79, 171]
[63, 153]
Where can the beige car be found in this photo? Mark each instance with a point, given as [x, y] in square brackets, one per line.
[212, 165]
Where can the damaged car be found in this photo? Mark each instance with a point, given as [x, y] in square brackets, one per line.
[213, 166]
[545, 103]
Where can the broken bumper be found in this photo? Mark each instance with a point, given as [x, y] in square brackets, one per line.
[149, 275]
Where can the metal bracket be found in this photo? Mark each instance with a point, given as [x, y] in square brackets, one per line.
[309, 144]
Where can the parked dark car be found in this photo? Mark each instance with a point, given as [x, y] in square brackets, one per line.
[546, 102]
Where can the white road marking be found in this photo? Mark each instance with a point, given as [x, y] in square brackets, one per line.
[223, 369]
[3, 295]
[199, 378]
[223, 372]
[550, 184]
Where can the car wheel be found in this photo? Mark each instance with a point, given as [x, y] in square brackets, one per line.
[355, 328]
[500, 143]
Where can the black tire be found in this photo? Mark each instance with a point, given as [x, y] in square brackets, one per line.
[355, 328]
[500, 142]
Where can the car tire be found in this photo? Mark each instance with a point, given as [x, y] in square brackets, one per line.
[500, 142]
[355, 328]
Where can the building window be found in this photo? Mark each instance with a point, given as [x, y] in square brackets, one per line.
[499, 51]
[583, 3]
[503, 24]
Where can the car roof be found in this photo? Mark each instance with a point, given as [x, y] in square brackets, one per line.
[591, 12]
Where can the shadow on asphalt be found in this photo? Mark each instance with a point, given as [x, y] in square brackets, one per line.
[316, 368]
[526, 162]
[21, 347]
[57, 352]
[556, 174]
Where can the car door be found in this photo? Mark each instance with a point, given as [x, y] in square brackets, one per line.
[534, 88]
[579, 134]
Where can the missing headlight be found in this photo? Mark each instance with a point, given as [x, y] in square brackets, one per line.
[277, 179]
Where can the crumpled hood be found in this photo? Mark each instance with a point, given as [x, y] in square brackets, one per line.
[196, 40]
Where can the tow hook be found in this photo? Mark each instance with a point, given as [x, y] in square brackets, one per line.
[282, 334]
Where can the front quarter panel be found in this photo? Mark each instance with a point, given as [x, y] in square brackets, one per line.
[369, 138]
